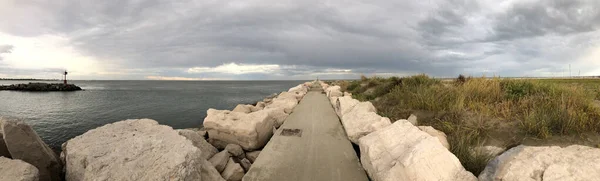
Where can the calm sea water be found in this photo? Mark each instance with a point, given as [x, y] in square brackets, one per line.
[60, 116]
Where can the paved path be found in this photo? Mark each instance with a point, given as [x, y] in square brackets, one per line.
[318, 151]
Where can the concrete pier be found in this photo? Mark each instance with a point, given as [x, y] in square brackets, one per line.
[310, 146]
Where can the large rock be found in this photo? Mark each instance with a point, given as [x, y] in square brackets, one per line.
[199, 142]
[299, 88]
[251, 131]
[330, 90]
[362, 120]
[441, 136]
[545, 163]
[244, 108]
[233, 171]
[236, 151]
[23, 143]
[3, 149]
[132, 150]
[278, 114]
[287, 101]
[344, 105]
[403, 152]
[220, 160]
[209, 173]
[17, 170]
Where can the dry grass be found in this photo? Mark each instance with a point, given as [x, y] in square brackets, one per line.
[464, 108]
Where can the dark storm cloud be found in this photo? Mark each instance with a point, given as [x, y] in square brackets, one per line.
[442, 38]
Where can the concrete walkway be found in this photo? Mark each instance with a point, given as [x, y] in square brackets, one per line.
[310, 146]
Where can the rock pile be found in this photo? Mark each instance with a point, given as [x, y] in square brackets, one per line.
[242, 132]
[41, 87]
[399, 151]
[21, 142]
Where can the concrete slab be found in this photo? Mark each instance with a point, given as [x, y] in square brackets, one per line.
[310, 146]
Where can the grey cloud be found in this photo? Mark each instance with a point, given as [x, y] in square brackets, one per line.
[438, 37]
[547, 17]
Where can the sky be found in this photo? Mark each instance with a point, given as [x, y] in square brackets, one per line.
[299, 39]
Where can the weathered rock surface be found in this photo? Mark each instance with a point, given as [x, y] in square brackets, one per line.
[441, 136]
[233, 171]
[545, 163]
[403, 152]
[220, 160]
[413, 120]
[362, 120]
[209, 173]
[252, 155]
[199, 142]
[299, 88]
[246, 164]
[334, 91]
[17, 170]
[3, 149]
[132, 150]
[344, 105]
[24, 144]
[235, 150]
[244, 108]
[347, 94]
[285, 100]
[278, 114]
[251, 131]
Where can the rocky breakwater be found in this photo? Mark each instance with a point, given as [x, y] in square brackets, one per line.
[141, 149]
[40, 87]
[399, 151]
[242, 132]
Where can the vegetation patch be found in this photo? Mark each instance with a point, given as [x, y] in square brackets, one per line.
[490, 111]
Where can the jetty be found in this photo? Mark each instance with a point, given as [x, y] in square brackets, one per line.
[310, 145]
[40, 87]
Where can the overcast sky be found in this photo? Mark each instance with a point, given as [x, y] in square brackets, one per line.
[300, 39]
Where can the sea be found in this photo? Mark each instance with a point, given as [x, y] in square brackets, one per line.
[60, 116]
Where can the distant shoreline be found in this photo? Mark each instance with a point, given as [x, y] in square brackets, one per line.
[30, 79]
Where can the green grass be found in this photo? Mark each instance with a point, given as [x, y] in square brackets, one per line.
[464, 107]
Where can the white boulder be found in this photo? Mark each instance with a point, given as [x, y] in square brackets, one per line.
[300, 88]
[139, 149]
[251, 131]
[17, 170]
[403, 152]
[548, 163]
[243, 108]
[441, 136]
[285, 100]
[278, 114]
[334, 91]
[24, 144]
[199, 142]
[362, 120]
[344, 105]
